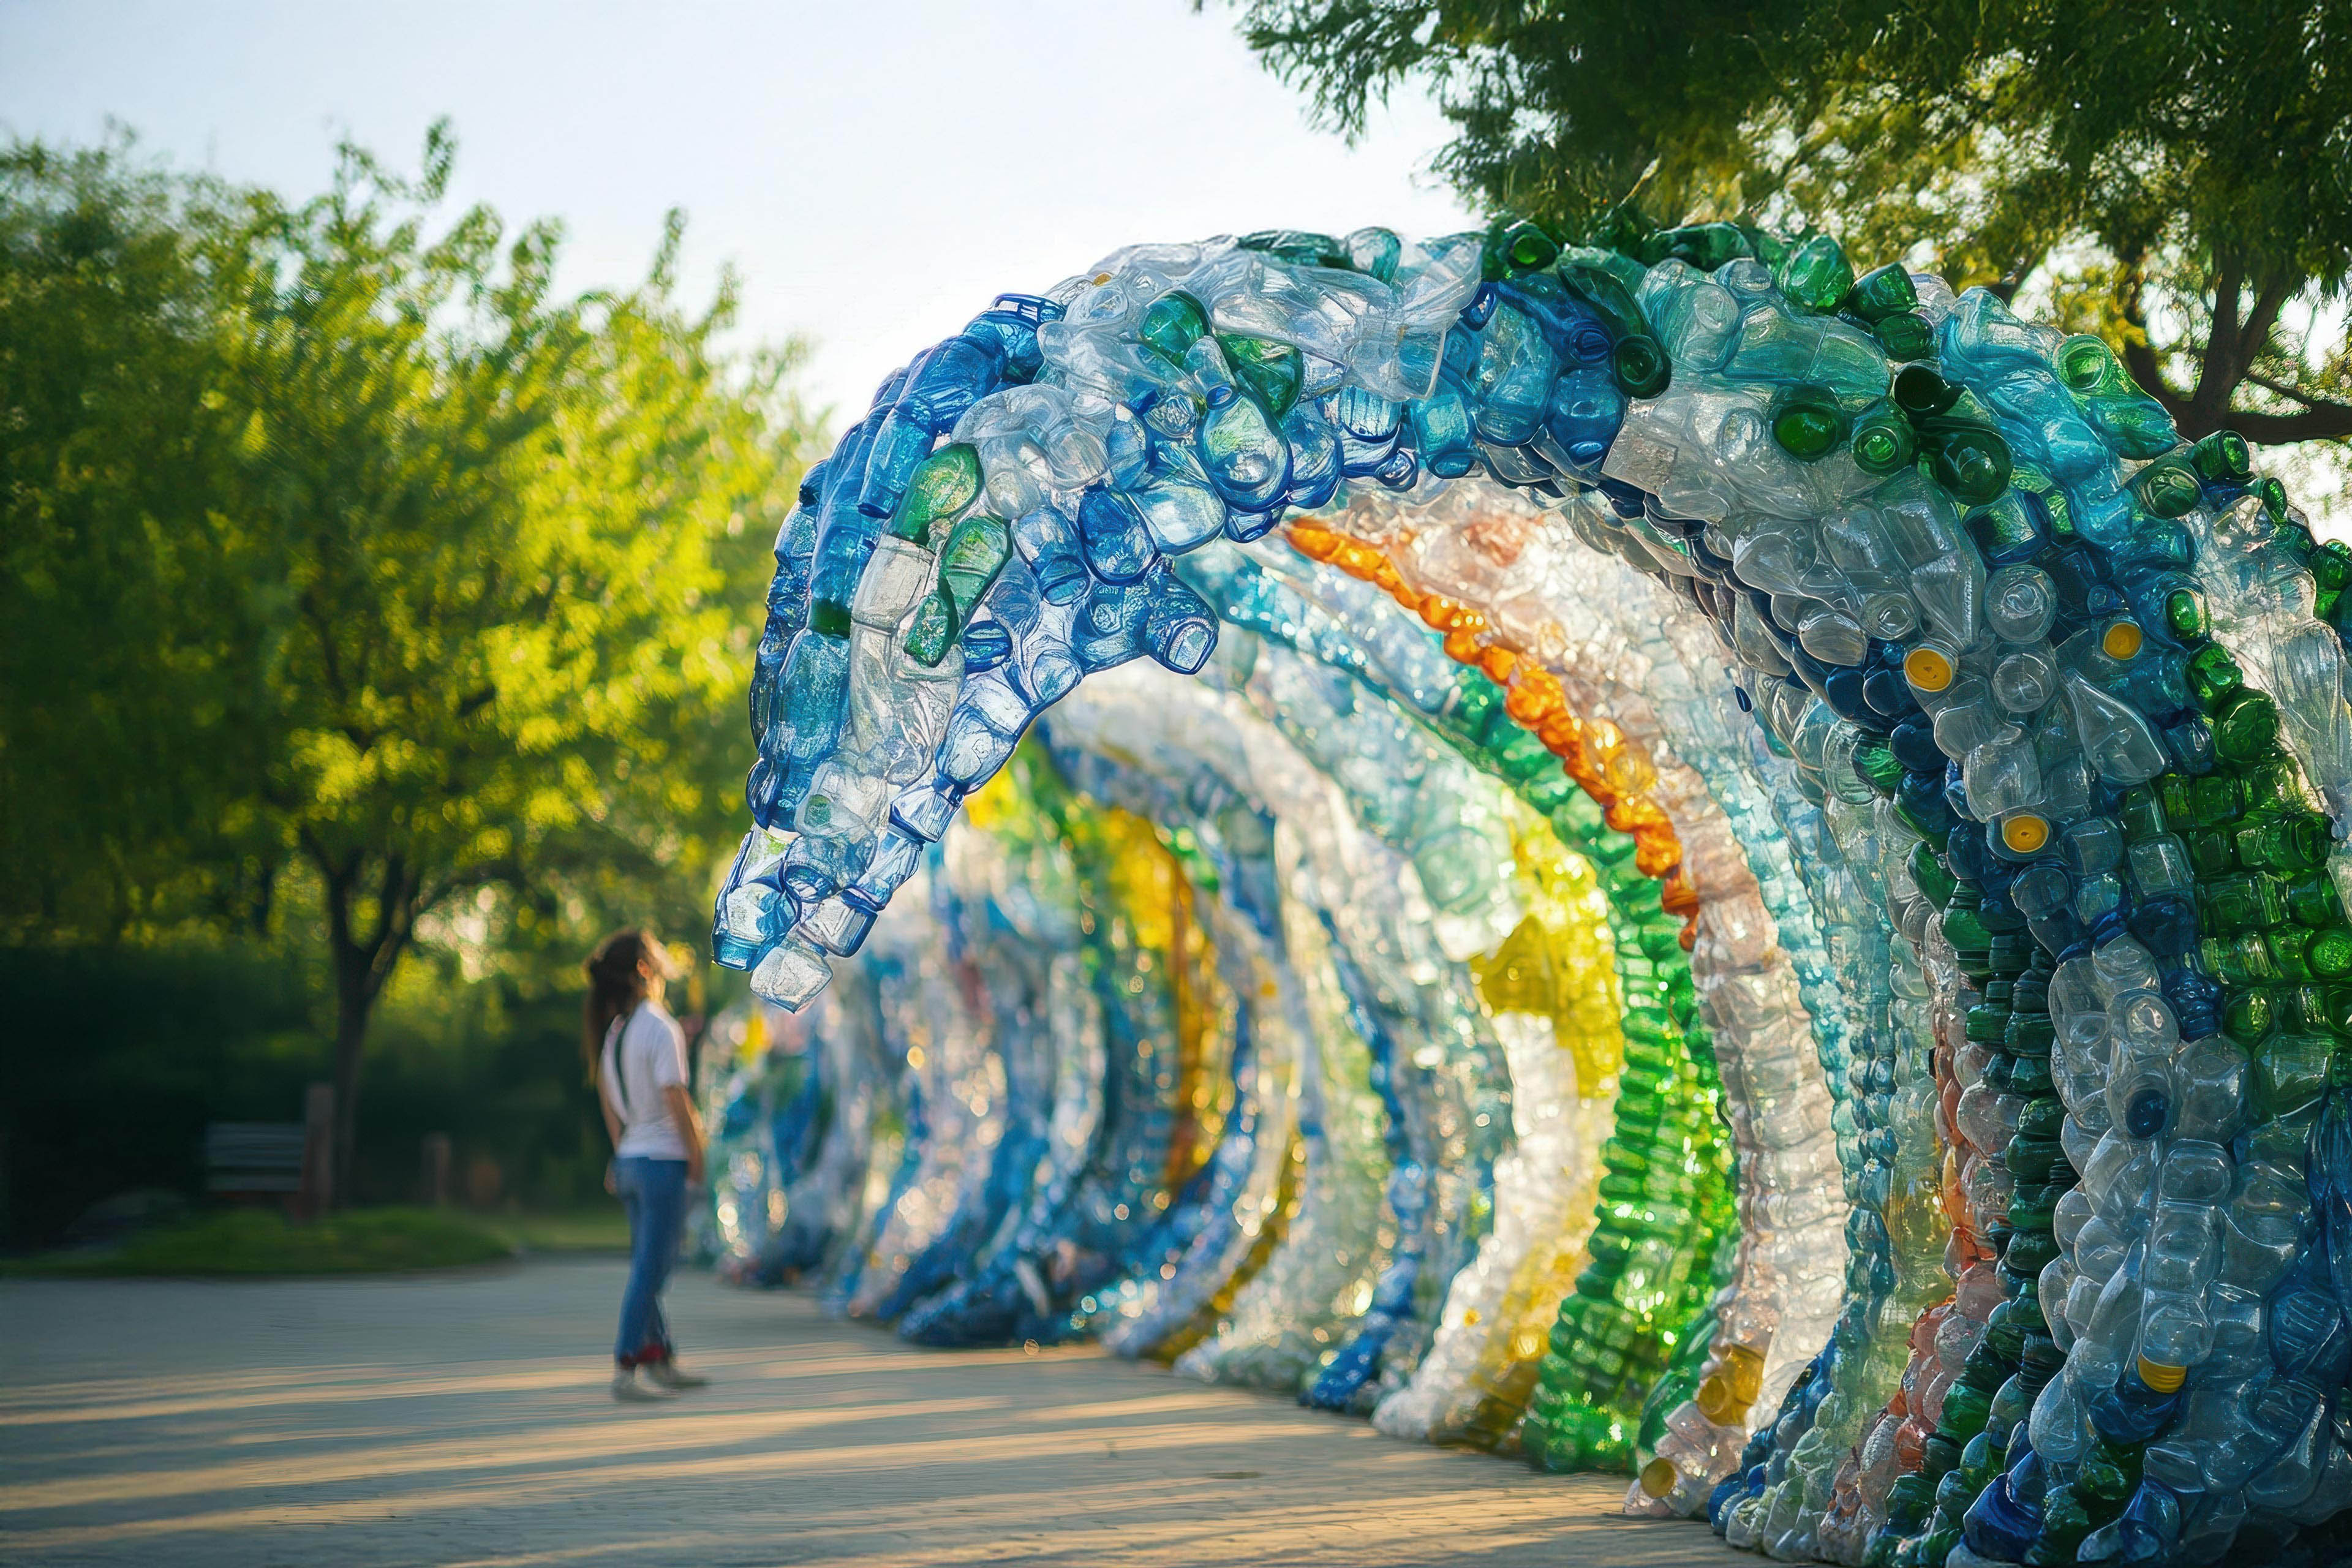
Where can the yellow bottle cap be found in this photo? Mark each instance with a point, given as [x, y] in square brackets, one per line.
[2025, 833]
[1658, 1477]
[2122, 640]
[1928, 669]
[1716, 1401]
[2156, 1375]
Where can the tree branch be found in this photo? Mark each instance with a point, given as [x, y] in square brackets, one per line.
[2320, 422]
[2284, 390]
[387, 896]
[2268, 303]
[337, 873]
[395, 918]
[2215, 367]
[2020, 269]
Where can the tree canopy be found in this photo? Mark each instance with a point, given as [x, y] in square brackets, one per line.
[336, 546]
[2178, 173]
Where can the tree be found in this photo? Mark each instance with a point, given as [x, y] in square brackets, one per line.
[485, 554]
[2178, 173]
[131, 666]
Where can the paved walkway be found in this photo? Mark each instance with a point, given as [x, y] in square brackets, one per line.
[463, 1419]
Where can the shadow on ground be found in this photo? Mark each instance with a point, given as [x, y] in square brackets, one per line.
[463, 1419]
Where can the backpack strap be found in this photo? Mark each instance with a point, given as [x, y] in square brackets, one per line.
[617, 1039]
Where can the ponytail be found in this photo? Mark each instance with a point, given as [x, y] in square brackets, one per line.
[616, 984]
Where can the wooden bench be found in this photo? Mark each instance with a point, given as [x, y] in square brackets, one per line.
[289, 1162]
[251, 1159]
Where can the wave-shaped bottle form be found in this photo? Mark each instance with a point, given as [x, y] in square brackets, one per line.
[2088, 676]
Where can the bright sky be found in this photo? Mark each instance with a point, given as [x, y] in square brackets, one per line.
[877, 171]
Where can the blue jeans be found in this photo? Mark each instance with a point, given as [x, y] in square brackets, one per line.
[654, 1193]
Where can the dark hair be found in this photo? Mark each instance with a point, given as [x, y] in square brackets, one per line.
[616, 983]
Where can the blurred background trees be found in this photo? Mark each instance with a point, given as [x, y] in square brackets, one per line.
[362, 600]
[2175, 174]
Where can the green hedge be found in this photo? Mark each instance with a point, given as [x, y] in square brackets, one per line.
[116, 1057]
[259, 1242]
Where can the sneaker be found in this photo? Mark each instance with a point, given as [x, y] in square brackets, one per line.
[629, 1390]
[667, 1373]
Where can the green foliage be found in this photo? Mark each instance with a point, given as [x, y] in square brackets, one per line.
[119, 1054]
[128, 648]
[349, 574]
[2176, 172]
[250, 1241]
[116, 1057]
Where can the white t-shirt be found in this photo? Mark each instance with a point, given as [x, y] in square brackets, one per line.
[650, 1049]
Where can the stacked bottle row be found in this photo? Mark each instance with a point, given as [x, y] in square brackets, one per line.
[1787, 1276]
[1436, 537]
[1664, 1202]
[1552, 990]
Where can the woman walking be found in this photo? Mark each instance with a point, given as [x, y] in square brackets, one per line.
[637, 1056]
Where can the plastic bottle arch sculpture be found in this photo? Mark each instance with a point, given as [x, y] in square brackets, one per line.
[1985, 758]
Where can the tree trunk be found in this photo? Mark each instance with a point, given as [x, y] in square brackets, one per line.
[354, 999]
[363, 961]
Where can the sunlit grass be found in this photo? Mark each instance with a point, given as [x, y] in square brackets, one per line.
[602, 1228]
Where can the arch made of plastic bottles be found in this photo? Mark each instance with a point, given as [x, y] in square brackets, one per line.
[1492, 1408]
[1601, 1384]
[2070, 688]
[1761, 1304]
[1611, 1374]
